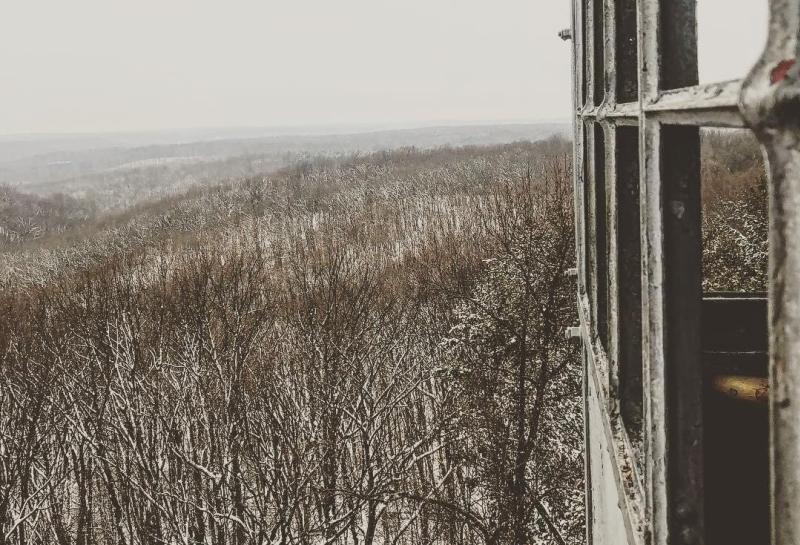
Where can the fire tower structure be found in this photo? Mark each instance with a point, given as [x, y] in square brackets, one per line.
[692, 398]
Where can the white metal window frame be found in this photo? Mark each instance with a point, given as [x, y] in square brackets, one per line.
[767, 100]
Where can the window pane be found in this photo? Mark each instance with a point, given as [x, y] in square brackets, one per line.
[731, 36]
[627, 52]
[599, 52]
[601, 230]
[734, 333]
[629, 282]
[734, 191]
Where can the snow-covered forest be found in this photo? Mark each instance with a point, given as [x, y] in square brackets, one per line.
[367, 350]
[349, 351]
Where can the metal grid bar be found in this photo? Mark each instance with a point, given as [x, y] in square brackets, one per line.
[712, 105]
[612, 269]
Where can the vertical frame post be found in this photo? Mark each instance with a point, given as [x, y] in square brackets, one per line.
[769, 103]
[654, 399]
[672, 280]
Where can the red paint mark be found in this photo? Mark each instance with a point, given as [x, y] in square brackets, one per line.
[779, 72]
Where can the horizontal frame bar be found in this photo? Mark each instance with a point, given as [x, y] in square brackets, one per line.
[713, 105]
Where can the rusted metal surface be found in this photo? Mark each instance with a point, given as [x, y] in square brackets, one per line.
[748, 389]
[770, 103]
[638, 107]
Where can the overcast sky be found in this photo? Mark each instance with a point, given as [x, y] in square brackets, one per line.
[119, 65]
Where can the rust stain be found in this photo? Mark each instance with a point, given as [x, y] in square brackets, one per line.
[751, 389]
[781, 70]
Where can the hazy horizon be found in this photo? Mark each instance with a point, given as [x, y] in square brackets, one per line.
[95, 67]
[298, 130]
